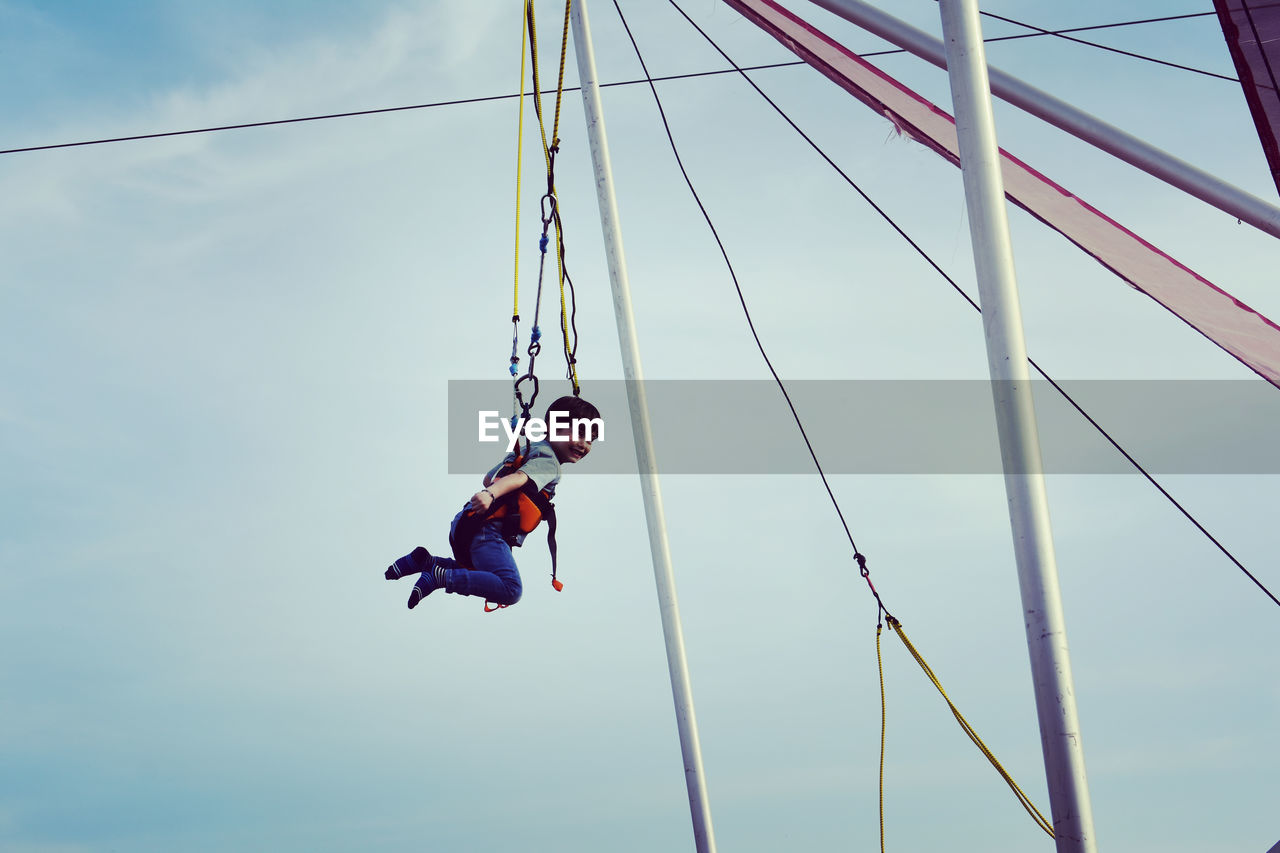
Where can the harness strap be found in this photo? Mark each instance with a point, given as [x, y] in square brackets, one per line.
[507, 509]
[546, 509]
[551, 545]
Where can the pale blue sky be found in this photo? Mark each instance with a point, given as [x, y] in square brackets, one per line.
[225, 365]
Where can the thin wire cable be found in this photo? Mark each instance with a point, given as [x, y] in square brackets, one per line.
[485, 98]
[734, 276]
[1110, 26]
[253, 124]
[1062, 35]
[972, 303]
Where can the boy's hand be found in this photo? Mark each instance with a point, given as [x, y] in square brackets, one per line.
[481, 501]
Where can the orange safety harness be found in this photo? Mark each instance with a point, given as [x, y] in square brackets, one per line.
[520, 513]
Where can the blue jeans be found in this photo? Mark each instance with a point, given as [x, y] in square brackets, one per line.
[492, 575]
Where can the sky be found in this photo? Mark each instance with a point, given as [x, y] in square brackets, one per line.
[226, 363]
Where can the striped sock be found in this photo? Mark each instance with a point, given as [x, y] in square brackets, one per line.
[419, 560]
[427, 584]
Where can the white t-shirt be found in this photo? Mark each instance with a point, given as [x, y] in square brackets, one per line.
[540, 465]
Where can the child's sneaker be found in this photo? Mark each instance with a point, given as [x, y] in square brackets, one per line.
[419, 560]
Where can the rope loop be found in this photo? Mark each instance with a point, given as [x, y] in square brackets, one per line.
[525, 407]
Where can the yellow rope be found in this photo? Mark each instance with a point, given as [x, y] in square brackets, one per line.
[537, 83]
[564, 47]
[555, 129]
[883, 719]
[515, 298]
[1039, 818]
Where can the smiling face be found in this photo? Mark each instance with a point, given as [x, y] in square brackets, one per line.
[574, 424]
[572, 449]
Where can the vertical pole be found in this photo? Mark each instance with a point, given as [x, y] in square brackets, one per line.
[681, 688]
[1016, 422]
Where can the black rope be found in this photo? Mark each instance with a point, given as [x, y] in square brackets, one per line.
[1104, 26]
[1062, 35]
[569, 322]
[358, 113]
[958, 289]
[738, 287]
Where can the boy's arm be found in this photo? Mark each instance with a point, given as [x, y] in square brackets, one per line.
[482, 500]
[492, 474]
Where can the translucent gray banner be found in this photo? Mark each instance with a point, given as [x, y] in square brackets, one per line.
[895, 426]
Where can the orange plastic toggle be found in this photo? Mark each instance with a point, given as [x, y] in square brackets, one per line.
[556, 585]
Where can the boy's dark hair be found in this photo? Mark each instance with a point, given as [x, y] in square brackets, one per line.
[574, 407]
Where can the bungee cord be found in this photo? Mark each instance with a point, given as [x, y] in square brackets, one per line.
[549, 207]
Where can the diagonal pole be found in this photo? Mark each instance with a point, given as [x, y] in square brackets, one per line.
[1016, 424]
[1230, 199]
[664, 577]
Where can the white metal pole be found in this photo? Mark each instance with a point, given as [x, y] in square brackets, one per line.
[681, 688]
[1134, 151]
[1016, 422]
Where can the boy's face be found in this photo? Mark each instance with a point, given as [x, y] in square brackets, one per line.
[573, 448]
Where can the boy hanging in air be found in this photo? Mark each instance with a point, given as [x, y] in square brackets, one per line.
[516, 496]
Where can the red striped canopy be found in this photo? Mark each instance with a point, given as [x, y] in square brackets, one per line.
[1216, 314]
[1252, 30]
